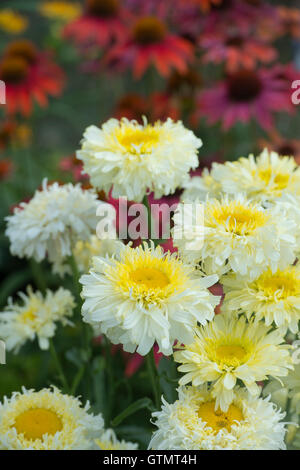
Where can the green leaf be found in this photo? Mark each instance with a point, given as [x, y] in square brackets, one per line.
[142, 403]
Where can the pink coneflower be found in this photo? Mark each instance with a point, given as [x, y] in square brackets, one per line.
[100, 24]
[244, 95]
[72, 165]
[236, 50]
[150, 42]
[29, 75]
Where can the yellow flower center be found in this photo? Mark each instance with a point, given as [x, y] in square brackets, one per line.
[217, 419]
[237, 218]
[230, 355]
[282, 284]
[12, 22]
[137, 140]
[28, 316]
[60, 10]
[280, 181]
[150, 277]
[34, 423]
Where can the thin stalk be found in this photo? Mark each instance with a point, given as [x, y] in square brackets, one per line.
[149, 218]
[58, 366]
[154, 379]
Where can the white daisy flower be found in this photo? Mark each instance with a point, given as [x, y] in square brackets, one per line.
[109, 441]
[234, 235]
[146, 296]
[230, 349]
[273, 297]
[135, 158]
[193, 423]
[47, 420]
[35, 317]
[52, 221]
[263, 178]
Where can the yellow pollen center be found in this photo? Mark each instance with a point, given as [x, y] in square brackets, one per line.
[28, 316]
[239, 219]
[150, 277]
[280, 180]
[34, 423]
[138, 141]
[282, 284]
[229, 354]
[217, 419]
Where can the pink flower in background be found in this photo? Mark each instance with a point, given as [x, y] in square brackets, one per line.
[6, 169]
[149, 42]
[245, 95]
[236, 50]
[72, 165]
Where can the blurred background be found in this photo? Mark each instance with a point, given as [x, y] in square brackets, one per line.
[223, 67]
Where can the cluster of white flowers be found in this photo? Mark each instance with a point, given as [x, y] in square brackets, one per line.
[245, 237]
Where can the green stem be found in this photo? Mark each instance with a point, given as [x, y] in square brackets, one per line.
[38, 275]
[110, 375]
[58, 366]
[76, 275]
[154, 379]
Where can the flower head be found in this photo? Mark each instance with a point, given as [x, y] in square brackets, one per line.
[273, 297]
[235, 234]
[145, 296]
[12, 22]
[60, 10]
[265, 177]
[193, 423]
[35, 317]
[47, 420]
[245, 95]
[136, 157]
[28, 74]
[230, 349]
[52, 222]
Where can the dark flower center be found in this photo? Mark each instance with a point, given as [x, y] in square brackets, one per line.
[235, 41]
[22, 49]
[189, 80]
[103, 8]
[149, 30]
[244, 86]
[223, 5]
[254, 3]
[286, 149]
[13, 70]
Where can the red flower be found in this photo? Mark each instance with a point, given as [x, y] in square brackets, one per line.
[236, 50]
[205, 5]
[150, 42]
[28, 75]
[244, 95]
[100, 24]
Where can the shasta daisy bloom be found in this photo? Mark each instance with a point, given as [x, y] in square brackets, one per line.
[28, 75]
[230, 349]
[60, 10]
[235, 234]
[150, 43]
[273, 297]
[109, 441]
[52, 222]
[135, 158]
[47, 420]
[235, 50]
[193, 423]
[35, 316]
[266, 177]
[245, 95]
[100, 24]
[146, 296]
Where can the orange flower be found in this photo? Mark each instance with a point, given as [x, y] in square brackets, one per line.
[28, 75]
[150, 42]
